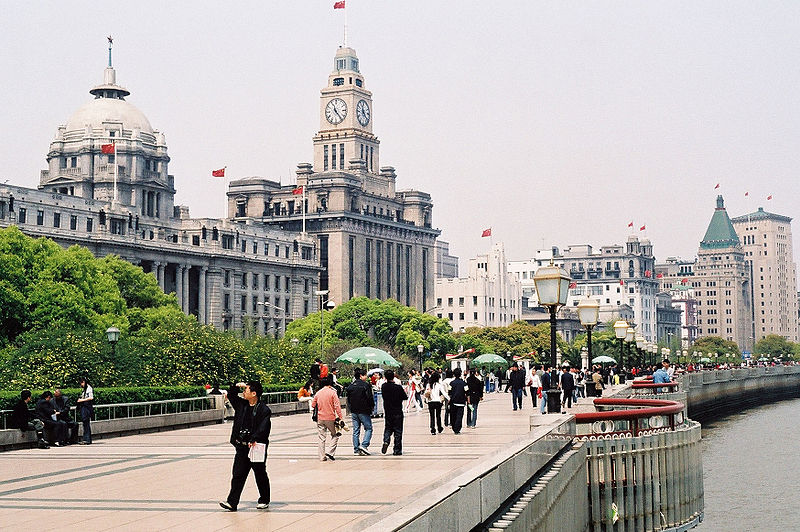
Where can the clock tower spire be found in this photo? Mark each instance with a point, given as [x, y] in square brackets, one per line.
[345, 134]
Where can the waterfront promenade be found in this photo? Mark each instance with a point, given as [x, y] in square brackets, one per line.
[171, 480]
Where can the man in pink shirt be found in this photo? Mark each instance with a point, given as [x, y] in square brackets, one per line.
[329, 412]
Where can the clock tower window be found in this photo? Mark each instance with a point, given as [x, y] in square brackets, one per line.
[325, 158]
[338, 81]
[341, 156]
[333, 156]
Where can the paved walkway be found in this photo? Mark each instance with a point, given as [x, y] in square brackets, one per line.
[173, 480]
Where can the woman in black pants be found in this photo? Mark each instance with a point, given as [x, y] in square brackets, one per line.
[437, 397]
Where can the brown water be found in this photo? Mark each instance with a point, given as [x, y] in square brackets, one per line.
[751, 470]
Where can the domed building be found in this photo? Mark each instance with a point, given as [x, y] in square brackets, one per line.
[134, 174]
[107, 188]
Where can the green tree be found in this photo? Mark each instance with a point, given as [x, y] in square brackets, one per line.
[773, 345]
[715, 344]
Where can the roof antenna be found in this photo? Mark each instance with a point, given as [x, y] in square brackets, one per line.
[110, 42]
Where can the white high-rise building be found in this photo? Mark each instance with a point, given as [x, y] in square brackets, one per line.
[490, 296]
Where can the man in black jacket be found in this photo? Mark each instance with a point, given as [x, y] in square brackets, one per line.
[393, 397]
[61, 404]
[568, 387]
[458, 400]
[360, 402]
[49, 416]
[517, 381]
[25, 420]
[251, 426]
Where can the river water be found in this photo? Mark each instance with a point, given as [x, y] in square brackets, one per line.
[751, 470]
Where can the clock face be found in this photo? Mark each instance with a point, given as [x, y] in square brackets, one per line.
[362, 112]
[336, 111]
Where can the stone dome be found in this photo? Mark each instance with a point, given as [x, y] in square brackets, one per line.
[101, 110]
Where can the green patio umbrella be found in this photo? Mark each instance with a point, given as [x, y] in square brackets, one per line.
[368, 355]
[488, 358]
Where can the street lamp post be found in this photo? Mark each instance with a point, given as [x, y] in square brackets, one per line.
[420, 349]
[588, 312]
[295, 341]
[112, 333]
[322, 304]
[620, 330]
[630, 335]
[640, 343]
[552, 288]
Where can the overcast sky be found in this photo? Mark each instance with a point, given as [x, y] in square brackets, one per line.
[553, 123]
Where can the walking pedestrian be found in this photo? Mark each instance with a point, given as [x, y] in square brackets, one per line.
[86, 404]
[517, 382]
[437, 397]
[567, 385]
[393, 397]
[250, 437]
[360, 402]
[329, 413]
[458, 400]
[535, 383]
[546, 385]
[448, 378]
[474, 397]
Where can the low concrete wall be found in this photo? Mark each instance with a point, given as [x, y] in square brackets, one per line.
[712, 393]
[477, 492]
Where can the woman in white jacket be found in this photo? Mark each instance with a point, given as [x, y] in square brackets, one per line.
[535, 382]
[437, 396]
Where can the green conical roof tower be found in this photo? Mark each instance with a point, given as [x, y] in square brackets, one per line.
[720, 233]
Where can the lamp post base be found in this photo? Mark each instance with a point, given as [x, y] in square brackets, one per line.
[553, 401]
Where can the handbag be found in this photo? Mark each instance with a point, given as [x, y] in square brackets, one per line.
[314, 414]
[427, 393]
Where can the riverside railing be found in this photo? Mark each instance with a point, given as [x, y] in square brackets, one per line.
[644, 467]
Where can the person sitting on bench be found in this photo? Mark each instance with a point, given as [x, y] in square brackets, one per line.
[25, 420]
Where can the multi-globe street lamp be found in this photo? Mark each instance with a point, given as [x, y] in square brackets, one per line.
[620, 331]
[588, 312]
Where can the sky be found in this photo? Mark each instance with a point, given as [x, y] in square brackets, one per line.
[554, 123]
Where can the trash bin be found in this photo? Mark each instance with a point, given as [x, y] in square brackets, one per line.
[554, 401]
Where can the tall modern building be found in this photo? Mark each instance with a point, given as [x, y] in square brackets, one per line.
[108, 188]
[767, 243]
[722, 283]
[373, 240]
[489, 296]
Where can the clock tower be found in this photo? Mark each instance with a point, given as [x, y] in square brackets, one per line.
[345, 117]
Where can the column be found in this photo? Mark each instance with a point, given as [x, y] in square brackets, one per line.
[185, 280]
[155, 269]
[179, 284]
[160, 275]
[201, 296]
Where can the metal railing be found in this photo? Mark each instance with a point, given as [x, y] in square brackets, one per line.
[140, 409]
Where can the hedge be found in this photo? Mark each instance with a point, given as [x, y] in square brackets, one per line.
[104, 396]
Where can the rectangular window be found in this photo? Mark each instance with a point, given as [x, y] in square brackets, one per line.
[341, 156]
[333, 156]
[378, 265]
[243, 304]
[351, 252]
[277, 283]
[399, 269]
[40, 217]
[371, 156]
[475, 300]
[226, 303]
[461, 316]
[244, 280]
[323, 262]
[22, 215]
[368, 269]
[460, 301]
[408, 276]
[226, 277]
[244, 246]
[255, 281]
[73, 222]
[255, 247]
[287, 285]
[255, 305]
[73, 162]
[475, 316]
[325, 158]
[89, 225]
[56, 219]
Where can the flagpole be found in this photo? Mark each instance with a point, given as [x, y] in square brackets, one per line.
[345, 26]
[116, 176]
[304, 210]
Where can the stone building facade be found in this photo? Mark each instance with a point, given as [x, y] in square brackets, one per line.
[373, 240]
[722, 278]
[767, 244]
[676, 278]
[229, 273]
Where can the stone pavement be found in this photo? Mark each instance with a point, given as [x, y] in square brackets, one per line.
[172, 480]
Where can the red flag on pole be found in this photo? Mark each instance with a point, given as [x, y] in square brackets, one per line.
[630, 224]
[716, 187]
[684, 280]
[298, 190]
[486, 232]
[746, 194]
[659, 275]
[573, 284]
[338, 5]
[769, 197]
[107, 148]
[642, 228]
[648, 273]
[621, 282]
[218, 173]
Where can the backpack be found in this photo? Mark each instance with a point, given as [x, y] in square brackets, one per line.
[323, 371]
